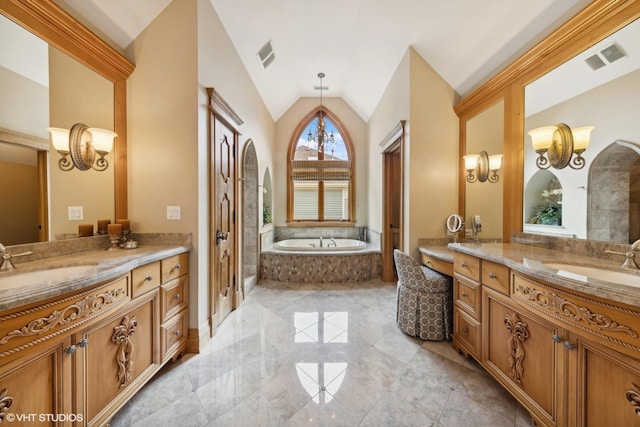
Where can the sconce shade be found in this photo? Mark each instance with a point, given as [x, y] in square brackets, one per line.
[471, 161]
[59, 139]
[581, 138]
[495, 162]
[562, 145]
[542, 138]
[102, 139]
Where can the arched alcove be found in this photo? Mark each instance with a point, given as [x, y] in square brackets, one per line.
[267, 196]
[543, 196]
[614, 194]
[250, 217]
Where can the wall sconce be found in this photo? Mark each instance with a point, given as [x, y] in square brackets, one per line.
[560, 143]
[483, 163]
[79, 146]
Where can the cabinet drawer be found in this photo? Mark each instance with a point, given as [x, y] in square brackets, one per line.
[175, 266]
[145, 278]
[436, 264]
[467, 265]
[174, 335]
[467, 295]
[467, 331]
[173, 296]
[495, 276]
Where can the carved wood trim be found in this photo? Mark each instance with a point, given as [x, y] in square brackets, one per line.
[573, 311]
[94, 305]
[633, 396]
[519, 334]
[583, 326]
[78, 310]
[5, 403]
[124, 357]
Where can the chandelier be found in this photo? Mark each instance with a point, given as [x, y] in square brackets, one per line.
[320, 137]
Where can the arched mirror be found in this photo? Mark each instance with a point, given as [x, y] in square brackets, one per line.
[75, 78]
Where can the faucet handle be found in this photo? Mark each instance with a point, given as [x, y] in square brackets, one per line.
[630, 261]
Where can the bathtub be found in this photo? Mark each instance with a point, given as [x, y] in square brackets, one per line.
[303, 260]
[305, 245]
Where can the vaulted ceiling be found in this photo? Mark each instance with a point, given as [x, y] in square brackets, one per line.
[358, 44]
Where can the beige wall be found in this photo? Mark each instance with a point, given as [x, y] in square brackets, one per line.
[432, 155]
[416, 93]
[285, 127]
[181, 53]
[392, 108]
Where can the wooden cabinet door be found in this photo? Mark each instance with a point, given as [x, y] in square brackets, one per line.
[521, 353]
[38, 385]
[606, 387]
[116, 356]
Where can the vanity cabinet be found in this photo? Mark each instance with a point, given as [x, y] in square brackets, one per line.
[84, 354]
[571, 359]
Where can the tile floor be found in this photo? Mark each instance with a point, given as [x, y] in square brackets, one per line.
[321, 354]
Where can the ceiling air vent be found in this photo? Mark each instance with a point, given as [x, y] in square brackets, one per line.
[613, 53]
[266, 54]
[606, 56]
[595, 62]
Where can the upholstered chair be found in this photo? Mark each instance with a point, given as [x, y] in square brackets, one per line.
[425, 300]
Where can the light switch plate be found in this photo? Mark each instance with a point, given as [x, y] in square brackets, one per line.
[75, 213]
[174, 213]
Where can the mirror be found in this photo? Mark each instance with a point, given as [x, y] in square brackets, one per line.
[86, 83]
[485, 132]
[601, 201]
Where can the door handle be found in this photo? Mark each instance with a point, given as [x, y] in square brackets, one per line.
[220, 236]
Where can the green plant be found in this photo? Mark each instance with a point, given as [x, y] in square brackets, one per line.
[266, 215]
[550, 210]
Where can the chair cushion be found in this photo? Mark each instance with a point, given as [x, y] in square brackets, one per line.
[419, 278]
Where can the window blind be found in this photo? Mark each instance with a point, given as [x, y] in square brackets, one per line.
[321, 170]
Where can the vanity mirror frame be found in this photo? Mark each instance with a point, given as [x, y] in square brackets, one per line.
[595, 22]
[55, 26]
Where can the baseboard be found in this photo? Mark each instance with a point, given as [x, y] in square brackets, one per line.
[198, 338]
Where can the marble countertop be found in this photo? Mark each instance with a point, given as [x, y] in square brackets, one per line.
[37, 280]
[530, 260]
[440, 252]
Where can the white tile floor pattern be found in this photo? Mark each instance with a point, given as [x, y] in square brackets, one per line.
[326, 355]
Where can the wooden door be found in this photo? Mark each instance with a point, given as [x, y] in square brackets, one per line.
[37, 385]
[223, 139]
[604, 386]
[115, 357]
[526, 354]
[392, 208]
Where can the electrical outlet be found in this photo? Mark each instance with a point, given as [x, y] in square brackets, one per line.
[76, 213]
[174, 213]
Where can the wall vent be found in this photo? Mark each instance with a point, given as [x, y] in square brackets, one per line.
[266, 54]
[595, 62]
[606, 56]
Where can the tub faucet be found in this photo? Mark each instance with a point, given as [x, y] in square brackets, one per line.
[630, 255]
[7, 264]
[320, 241]
[332, 242]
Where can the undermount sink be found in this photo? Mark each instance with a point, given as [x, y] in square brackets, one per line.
[582, 272]
[15, 278]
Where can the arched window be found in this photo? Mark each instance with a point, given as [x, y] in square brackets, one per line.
[320, 170]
